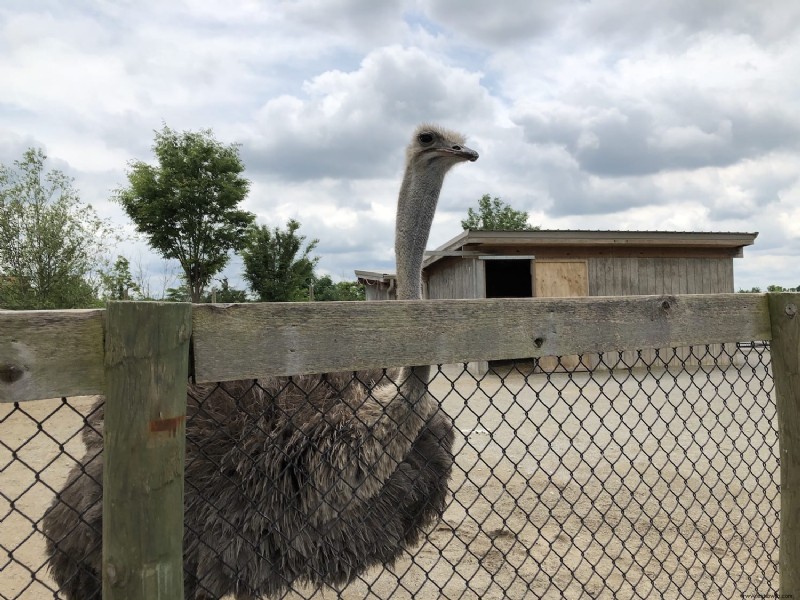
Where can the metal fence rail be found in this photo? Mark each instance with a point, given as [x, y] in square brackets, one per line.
[621, 475]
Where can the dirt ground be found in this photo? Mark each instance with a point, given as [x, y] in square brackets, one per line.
[614, 485]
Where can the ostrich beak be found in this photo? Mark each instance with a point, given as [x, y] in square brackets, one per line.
[466, 153]
[458, 151]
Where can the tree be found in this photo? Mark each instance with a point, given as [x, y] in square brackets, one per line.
[325, 289]
[276, 266]
[770, 288]
[50, 242]
[187, 206]
[117, 283]
[225, 293]
[495, 215]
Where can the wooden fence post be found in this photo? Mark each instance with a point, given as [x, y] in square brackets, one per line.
[146, 371]
[785, 348]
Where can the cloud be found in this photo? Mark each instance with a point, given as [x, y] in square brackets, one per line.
[354, 124]
[649, 115]
[497, 24]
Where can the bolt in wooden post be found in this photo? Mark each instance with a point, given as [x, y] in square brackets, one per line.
[146, 371]
[785, 348]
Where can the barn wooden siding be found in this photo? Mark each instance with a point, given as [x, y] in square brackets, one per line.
[452, 278]
[626, 276]
[379, 291]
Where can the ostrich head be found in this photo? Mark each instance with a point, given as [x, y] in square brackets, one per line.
[432, 152]
[433, 147]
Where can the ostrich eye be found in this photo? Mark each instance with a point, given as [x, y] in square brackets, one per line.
[425, 138]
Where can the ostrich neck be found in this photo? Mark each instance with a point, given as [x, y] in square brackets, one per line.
[416, 206]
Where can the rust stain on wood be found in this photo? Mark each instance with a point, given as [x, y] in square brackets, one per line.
[169, 425]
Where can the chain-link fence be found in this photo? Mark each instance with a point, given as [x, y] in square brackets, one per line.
[623, 475]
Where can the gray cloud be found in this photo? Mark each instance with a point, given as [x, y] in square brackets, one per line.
[501, 23]
[636, 140]
[356, 124]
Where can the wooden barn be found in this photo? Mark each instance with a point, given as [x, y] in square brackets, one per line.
[548, 263]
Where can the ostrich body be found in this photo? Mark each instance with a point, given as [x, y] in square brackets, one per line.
[309, 479]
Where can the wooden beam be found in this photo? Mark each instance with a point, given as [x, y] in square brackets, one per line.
[50, 353]
[506, 256]
[548, 251]
[784, 311]
[147, 361]
[586, 237]
[240, 341]
[461, 253]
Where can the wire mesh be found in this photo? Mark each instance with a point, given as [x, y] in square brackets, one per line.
[637, 474]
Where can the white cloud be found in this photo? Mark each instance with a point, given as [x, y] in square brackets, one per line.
[648, 115]
[355, 124]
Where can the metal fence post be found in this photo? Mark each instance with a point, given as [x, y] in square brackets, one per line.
[146, 369]
[783, 312]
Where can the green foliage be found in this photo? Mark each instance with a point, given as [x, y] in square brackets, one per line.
[326, 290]
[495, 215]
[178, 294]
[117, 282]
[50, 242]
[770, 288]
[276, 266]
[225, 293]
[780, 288]
[187, 206]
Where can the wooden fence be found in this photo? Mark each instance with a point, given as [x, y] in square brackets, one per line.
[138, 354]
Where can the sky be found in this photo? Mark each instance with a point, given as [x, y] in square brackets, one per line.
[602, 114]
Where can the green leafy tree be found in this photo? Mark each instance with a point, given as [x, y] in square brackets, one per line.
[188, 205]
[225, 293]
[276, 266]
[51, 243]
[770, 288]
[177, 294]
[325, 289]
[117, 283]
[780, 288]
[495, 215]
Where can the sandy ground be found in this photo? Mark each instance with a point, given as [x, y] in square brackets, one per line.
[609, 486]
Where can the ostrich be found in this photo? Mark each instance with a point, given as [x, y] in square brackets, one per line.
[309, 479]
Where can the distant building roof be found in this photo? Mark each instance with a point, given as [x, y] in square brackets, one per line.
[374, 276]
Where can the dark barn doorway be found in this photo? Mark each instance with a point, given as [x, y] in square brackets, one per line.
[508, 278]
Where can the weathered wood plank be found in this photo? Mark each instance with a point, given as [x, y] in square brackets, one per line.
[727, 267]
[784, 310]
[147, 360]
[50, 353]
[240, 341]
[647, 276]
[592, 263]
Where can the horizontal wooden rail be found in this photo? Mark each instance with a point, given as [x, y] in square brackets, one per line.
[242, 341]
[50, 353]
[45, 354]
